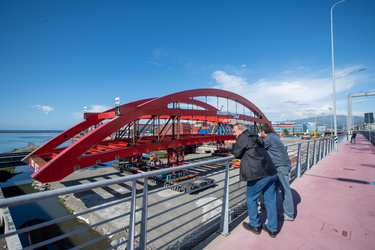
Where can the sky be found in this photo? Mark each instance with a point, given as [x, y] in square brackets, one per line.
[58, 57]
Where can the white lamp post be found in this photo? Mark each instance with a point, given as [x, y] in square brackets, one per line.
[333, 78]
[330, 111]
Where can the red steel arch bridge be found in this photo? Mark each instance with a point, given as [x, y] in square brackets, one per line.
[129, 130]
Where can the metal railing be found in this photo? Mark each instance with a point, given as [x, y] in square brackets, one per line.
[305, 154]
[148, 216]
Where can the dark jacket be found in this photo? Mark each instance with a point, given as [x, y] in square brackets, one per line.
[255, 161]
[276, 150]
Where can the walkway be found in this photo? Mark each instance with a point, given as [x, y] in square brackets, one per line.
[335, 205]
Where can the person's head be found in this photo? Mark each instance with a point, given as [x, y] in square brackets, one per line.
[238, 128]
[265, 129]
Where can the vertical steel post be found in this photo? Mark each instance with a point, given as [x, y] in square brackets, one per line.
[131, 232]
[308, 156]
[318, 151]
[143, 236]
[224, 224]
[299, 161]
[314, 152]
[330, 144]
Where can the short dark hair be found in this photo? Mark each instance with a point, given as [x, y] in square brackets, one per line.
[266, 128]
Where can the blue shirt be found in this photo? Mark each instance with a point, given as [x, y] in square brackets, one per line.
[276, 150]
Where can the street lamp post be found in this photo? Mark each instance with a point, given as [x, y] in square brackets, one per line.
[330, 111]
[333, 78]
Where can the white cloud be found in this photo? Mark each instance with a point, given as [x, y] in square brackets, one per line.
[46, 109]
[283, 98]
[229, 82]
[98, 108]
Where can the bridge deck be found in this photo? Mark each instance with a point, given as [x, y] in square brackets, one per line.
[334, 206]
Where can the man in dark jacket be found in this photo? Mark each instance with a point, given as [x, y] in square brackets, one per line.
[258, 171]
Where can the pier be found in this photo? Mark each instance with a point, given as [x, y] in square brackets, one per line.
[12, 159]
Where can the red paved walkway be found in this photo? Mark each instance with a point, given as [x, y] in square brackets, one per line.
[335, 203]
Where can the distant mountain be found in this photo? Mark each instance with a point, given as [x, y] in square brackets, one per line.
[328, 120]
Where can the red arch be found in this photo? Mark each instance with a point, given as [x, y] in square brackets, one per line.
[52, 163]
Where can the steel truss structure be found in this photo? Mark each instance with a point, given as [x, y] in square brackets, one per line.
[135, 128]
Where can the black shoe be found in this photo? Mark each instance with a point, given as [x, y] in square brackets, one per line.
[256, 230]
[270, 233]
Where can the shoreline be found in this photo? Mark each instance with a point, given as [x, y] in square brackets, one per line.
[30, 148]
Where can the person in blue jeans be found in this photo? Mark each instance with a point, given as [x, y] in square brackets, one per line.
[280, 158]
[258, 170]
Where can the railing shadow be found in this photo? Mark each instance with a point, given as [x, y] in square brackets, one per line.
[341, 179]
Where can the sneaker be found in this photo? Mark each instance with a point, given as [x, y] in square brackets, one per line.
[248, 227]
[284, 217]
[270, 233]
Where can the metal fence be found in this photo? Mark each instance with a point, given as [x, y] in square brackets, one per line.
[148, 216]
[369, 134]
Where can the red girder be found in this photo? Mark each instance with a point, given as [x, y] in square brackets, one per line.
[51, 163]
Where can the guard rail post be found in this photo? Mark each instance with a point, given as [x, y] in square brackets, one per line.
[143, 234]
[308, 156]
[299, 161]
[314, 152]
[131, 232]
[319, 150]
[224, 224]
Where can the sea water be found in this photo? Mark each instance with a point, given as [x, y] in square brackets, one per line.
[12, 140]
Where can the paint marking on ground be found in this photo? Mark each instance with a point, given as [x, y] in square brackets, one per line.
[336, 231]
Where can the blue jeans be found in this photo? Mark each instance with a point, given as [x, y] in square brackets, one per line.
[288, 204]
[266, 186]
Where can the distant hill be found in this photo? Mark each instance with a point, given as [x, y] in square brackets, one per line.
[328, 119]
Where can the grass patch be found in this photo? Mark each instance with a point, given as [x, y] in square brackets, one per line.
[62, 202]
[8, 169]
